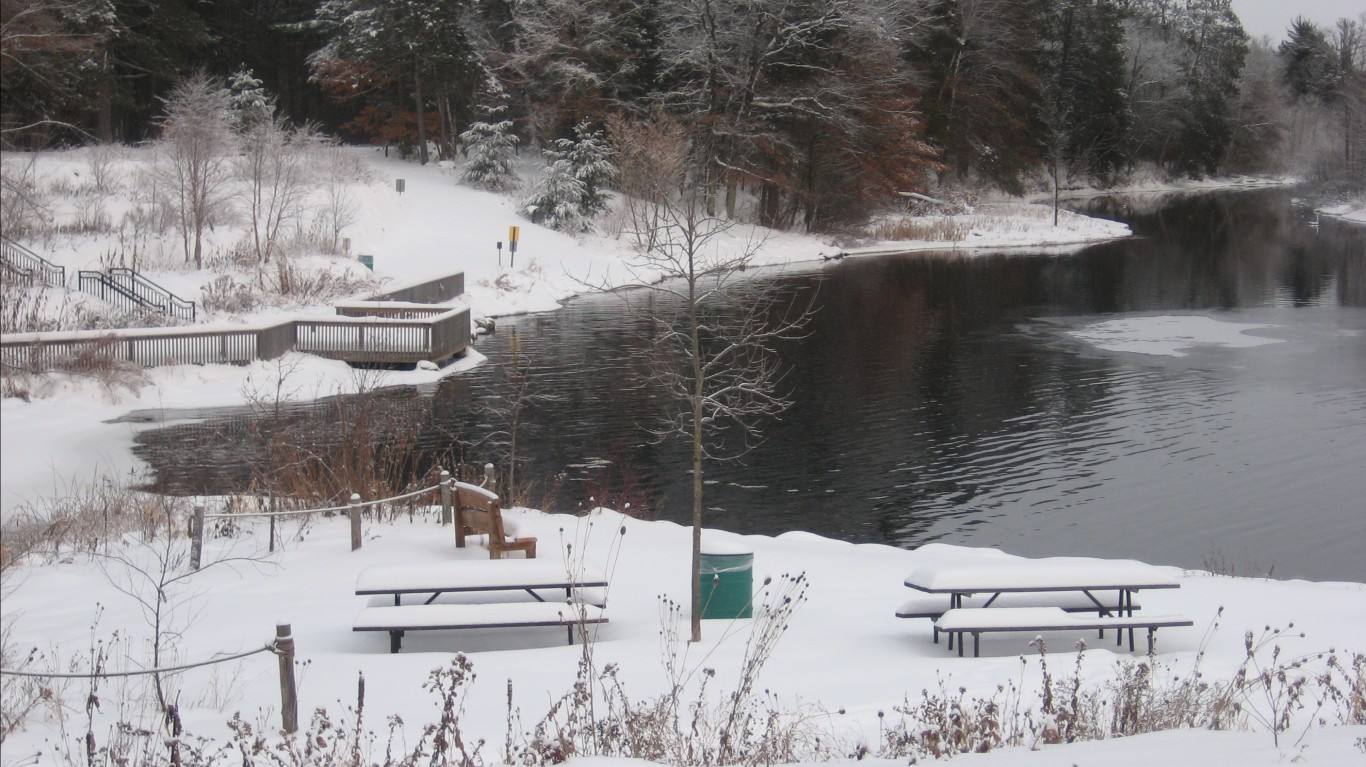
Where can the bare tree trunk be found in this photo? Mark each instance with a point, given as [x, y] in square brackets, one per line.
[421, 112]
[698, 383]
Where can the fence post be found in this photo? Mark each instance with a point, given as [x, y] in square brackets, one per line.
[490, 481]
[270, 505]
[289, 695]
[446, 513]
[197, 537]
[354, 513]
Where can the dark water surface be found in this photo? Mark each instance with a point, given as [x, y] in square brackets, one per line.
[940, 397]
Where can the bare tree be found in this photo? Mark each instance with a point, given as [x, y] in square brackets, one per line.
[196, 141]
[273, 163]
[716, 353]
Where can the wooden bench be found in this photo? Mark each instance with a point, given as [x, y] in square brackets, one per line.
[933, 607]
[477, 513]
[399, 619]
[983, 620]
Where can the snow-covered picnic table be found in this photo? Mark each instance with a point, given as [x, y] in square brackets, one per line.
[582, 603]
[470, 575]
[1037, 592]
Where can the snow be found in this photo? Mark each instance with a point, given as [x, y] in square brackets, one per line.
[843, 651]
[380, 617]
[1170, 335]
[1051, 574]
[479, 575]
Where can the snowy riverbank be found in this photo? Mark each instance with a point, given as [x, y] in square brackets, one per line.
[62, 438]
[843, 674]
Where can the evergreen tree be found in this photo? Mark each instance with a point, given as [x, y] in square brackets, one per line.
[421, 46]
[570, 194]
[491, 145]
[1084, 69]
[249, 103]
[1308, 57]
[589, 157]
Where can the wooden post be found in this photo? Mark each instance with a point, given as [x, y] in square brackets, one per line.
[354, 513]
[289, 695]
[447, 515]
[270, 506]
[490, 481]
[197, 537]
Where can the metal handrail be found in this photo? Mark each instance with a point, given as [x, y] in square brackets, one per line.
[173, 304]
[136, 292]
[25, 263]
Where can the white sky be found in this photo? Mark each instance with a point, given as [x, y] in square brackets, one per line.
[1272, 17]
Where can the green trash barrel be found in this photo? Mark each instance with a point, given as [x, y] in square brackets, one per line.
[726, 581]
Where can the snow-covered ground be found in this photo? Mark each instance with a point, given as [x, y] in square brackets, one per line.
[843, 659]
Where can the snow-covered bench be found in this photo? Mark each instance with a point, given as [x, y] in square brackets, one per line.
[582, 602]
[399, 619]
[932, 607]
[984, 620]
[477, 513]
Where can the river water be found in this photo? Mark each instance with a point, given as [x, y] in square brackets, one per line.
[946, 397]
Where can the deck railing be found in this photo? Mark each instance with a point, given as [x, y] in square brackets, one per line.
[370, 340]
[364, 332]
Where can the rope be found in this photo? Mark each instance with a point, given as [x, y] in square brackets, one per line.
[165, 670]
[295, 512]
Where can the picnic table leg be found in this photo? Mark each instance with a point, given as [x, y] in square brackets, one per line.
[976, 644]
[395, 640]
[1152, 631]
[571, 633]
[1131, 638]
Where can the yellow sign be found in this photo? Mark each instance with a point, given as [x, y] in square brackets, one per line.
[514, 232]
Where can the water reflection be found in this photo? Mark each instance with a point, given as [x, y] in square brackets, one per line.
[937, 396]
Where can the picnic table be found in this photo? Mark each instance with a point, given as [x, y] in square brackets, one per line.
[1053, 574]
[1048, 581]
[474, 575]
[582, 603]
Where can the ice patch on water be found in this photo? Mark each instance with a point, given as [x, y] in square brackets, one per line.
[1169, 335]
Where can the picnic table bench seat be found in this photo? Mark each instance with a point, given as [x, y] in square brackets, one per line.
[1070, 601]
[398, 619]
[982, 620]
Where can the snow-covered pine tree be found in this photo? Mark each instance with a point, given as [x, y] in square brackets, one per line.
[590, 158]
[491, 145]
[572, 192]
[249, 103]
[558, 196]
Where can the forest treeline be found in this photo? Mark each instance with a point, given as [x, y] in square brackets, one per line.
[819, 111]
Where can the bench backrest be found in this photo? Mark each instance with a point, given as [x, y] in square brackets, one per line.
[477, 512]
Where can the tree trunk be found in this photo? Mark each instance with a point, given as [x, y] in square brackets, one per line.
[421, 112]
[697, 429]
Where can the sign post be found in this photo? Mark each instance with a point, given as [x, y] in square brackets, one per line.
[514, 232]
[500, 254]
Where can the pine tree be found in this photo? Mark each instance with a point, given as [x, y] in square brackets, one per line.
[249, 102]
[492, 148]
[590, 160]
[571, 191]
[491, 145]
[1308, 58]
